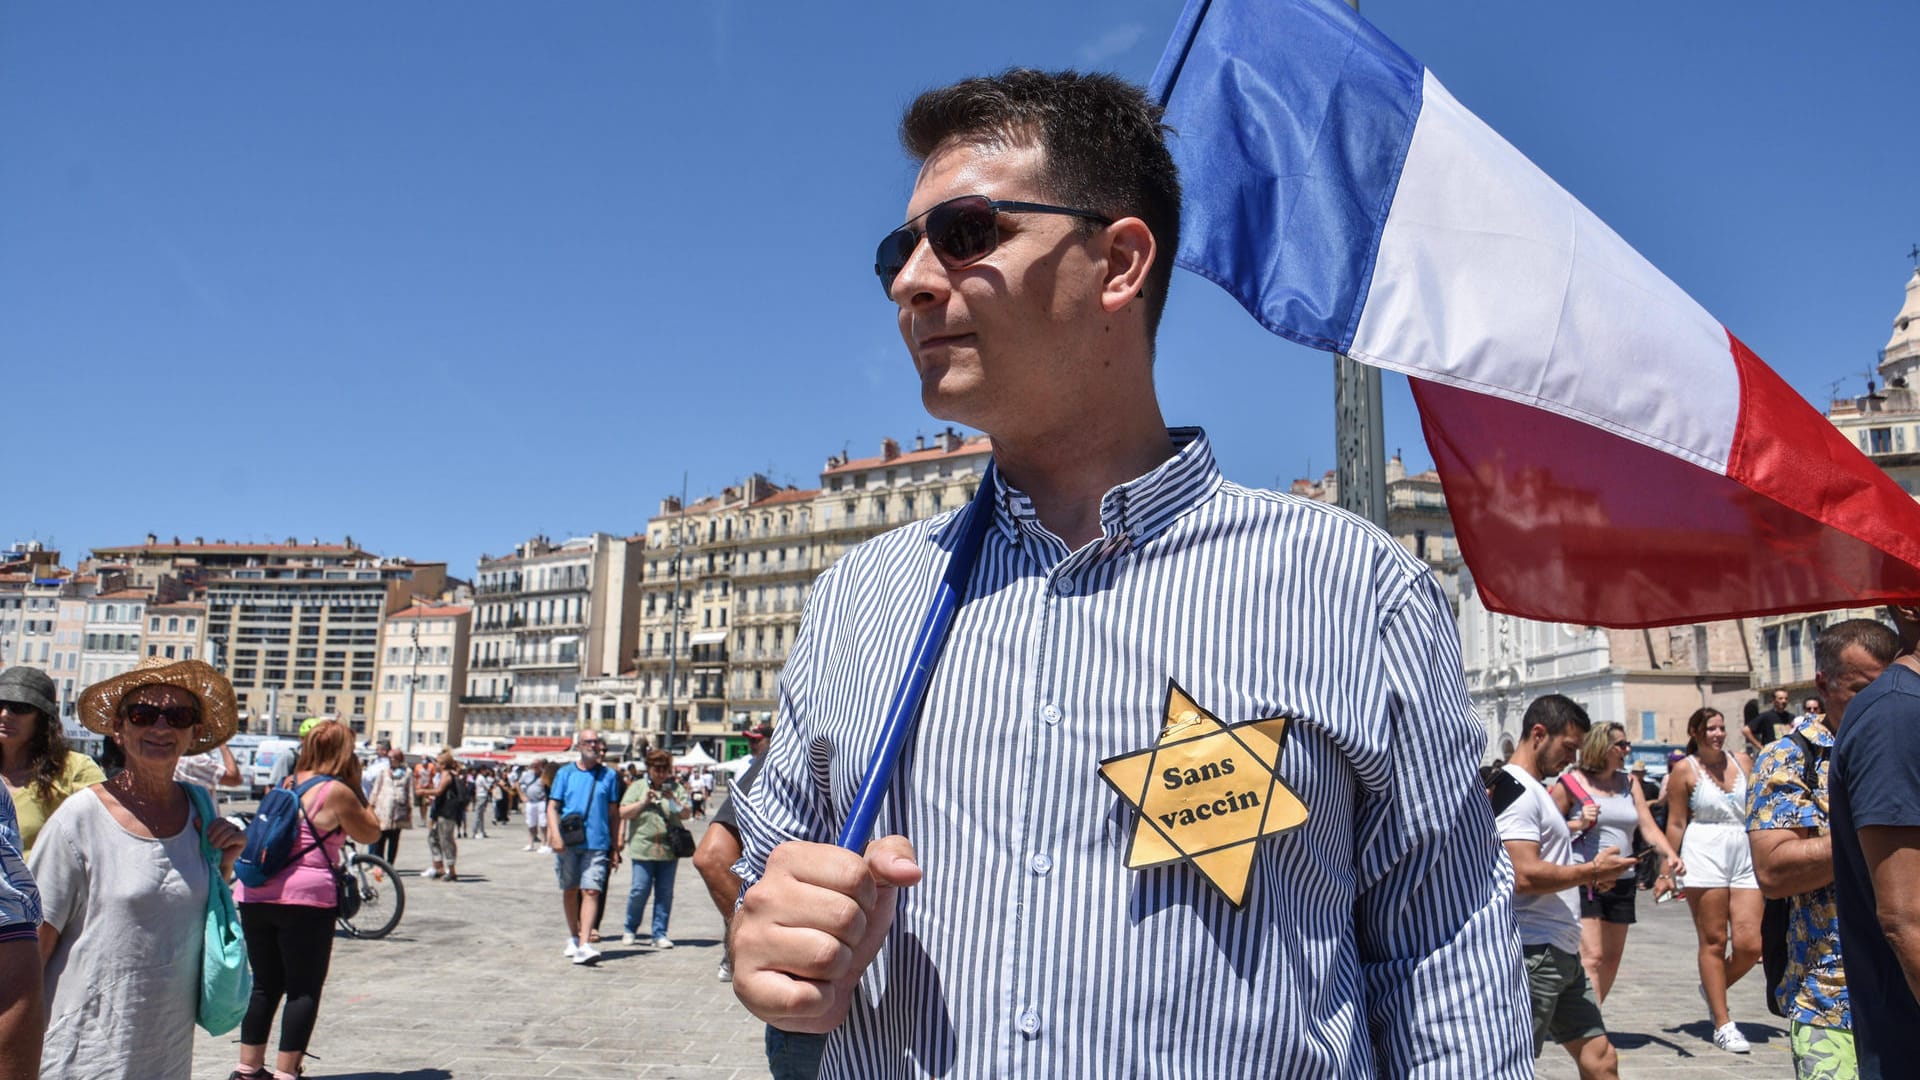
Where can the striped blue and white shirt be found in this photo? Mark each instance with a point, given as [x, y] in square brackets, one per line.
[1376, 939]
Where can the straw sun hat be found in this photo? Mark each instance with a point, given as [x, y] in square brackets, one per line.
[219, 714]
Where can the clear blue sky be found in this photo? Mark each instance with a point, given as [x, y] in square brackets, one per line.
[444, 275]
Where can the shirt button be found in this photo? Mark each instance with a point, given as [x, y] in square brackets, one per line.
[1041, 863]
[1064, 586]
[1051, 713]
[1029, 1022]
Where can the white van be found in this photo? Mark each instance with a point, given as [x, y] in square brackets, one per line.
[266, 755]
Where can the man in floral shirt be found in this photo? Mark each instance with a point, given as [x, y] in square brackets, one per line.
[1793, 854]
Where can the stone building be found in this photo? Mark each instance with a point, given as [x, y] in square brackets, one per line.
[545, 618]
[296, 627]
[422, 677]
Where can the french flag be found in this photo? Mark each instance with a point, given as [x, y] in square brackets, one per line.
[1611, 454]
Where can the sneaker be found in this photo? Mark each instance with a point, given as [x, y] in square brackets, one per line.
[626, 939]
[1728, 1038]
[430, 873]
[663, 942]
[725, 973]
[587, 954]
[529, 847]
[543, 850]
[572, 948]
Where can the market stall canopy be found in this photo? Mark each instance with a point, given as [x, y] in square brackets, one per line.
[694, 758]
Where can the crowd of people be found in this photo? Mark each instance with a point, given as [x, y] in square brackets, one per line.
[1731, 831]
[110, 878]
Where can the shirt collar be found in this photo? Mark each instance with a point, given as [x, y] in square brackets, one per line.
[1813, 730]
[1133, 513]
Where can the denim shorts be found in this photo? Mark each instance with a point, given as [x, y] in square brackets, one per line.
[581, 868]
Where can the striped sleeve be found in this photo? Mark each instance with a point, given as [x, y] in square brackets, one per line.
[787, 801]
[1434, 914]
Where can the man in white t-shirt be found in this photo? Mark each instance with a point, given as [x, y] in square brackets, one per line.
[1546, 880]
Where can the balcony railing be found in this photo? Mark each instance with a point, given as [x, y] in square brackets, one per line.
[485, 699]
[561, 660]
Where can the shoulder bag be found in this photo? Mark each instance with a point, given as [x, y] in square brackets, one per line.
[226, 981]
[679, 837]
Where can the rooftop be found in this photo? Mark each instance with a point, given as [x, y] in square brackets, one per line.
[429, 611]
[972, 444]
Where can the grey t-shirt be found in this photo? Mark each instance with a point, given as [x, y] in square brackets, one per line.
[123, 984]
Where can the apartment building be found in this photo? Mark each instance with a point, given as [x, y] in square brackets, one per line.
[295, 626]
[726, 579]
[544, 618]
[687, 608]
[422, 677]
[115, 623]
[177, 630]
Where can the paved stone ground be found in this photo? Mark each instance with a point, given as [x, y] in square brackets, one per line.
[472, 985]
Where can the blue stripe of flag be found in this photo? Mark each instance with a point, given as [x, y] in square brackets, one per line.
[1291, 123]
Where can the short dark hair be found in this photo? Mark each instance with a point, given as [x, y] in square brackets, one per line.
[1870, 634]
[1102, 138]
[1555, 712]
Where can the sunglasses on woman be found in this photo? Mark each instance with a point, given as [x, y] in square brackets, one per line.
[960, 231]
[177, 717]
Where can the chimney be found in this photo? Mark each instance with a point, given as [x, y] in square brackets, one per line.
[889, 449]
[919, 443]
[670, 505]
[200, 541]
[152, 539]
[949, 440]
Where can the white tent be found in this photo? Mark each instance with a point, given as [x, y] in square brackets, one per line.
[736, 766]
[694, 758]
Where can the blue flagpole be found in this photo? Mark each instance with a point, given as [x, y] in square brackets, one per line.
[904, 711]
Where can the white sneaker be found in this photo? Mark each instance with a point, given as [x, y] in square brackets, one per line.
[572, 948]
[543, 850]
[663, 942]
[1728, 1038]
[587, 954]
[429, 873]
[626, 939]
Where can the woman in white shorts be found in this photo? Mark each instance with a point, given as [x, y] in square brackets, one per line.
[533, 793]
[1707, 822]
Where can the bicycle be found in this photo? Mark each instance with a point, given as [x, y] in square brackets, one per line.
[382, 898]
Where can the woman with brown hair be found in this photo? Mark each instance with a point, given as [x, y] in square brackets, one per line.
[35, 763]
[1604, 805]
[1707, 821]
[289, 920]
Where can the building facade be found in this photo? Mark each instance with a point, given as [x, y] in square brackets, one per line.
[422, 677]
[544, 618]
[295, 627]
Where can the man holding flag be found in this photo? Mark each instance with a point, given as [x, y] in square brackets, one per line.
[1047, 899]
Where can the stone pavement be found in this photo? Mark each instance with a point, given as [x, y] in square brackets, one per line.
[472, 985]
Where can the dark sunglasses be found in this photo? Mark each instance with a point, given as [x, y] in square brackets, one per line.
[178, 717]
[960, 231]
[1623, 745]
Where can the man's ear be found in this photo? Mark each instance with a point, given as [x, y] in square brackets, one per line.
[1131, 252]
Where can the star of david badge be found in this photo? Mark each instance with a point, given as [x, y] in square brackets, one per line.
[1206, 793]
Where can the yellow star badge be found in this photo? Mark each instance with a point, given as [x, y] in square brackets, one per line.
[1206, 793]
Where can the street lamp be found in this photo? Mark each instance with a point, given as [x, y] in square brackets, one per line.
[406, 722]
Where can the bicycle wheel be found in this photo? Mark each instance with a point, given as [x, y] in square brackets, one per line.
[381, 897]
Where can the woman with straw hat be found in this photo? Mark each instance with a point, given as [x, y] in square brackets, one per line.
[37, 766]
[124, 884]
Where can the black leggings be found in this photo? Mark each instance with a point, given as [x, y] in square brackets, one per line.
[289, 947]
[388, 846]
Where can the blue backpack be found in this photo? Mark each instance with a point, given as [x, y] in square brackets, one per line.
[270, 839]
